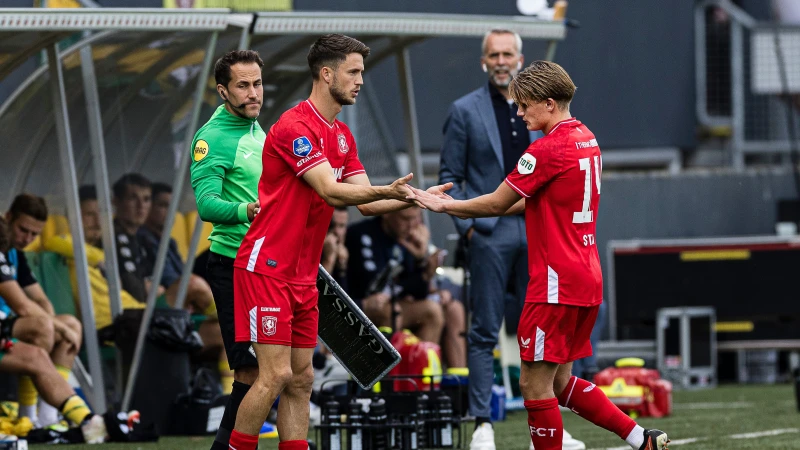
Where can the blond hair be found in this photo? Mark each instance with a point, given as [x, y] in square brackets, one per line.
[542, 80]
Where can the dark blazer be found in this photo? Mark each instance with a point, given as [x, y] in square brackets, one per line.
[472, 155]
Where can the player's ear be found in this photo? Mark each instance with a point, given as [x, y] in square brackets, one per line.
[326, 74]
[221, 91]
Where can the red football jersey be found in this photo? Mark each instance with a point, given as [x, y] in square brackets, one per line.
[285, 239]
[559, 176]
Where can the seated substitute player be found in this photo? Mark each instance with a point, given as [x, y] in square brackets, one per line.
[558, 178]
[26, 218]
[309, 165]
[401, 236]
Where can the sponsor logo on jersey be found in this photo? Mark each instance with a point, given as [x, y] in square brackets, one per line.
[308, 158]
[337, 173]
[302, 147]
[589, 388]
[270, 309]
[343, 148]
[526, 164]
[586, 144]
[200, 150]
[272, 263]
[269, 325]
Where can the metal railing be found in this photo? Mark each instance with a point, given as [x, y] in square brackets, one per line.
[746, 75]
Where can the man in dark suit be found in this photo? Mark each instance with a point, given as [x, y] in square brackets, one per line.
[483, 141]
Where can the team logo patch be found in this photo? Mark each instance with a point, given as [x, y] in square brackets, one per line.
[269, 325]
[200, 150]
[343, 148]
[524, 342]
[526, 164]
[301, 147]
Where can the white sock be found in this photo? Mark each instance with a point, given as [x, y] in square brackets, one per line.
[636, 437]
[48, 414]
[28, 411]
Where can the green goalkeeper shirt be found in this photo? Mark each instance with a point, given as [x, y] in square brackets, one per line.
[226, 167]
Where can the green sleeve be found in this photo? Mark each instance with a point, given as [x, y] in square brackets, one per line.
[208, 173]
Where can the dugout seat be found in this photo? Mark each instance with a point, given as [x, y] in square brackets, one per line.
[204, 243]
[56, 225]
[179, 233]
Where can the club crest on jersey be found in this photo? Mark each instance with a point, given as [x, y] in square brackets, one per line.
[343, 148]
[269, 325]
[301, 147]
[526, 164]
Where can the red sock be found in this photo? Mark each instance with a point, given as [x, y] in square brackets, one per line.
[585, 400]
[545, 424]
[293, 445]
[241, 441]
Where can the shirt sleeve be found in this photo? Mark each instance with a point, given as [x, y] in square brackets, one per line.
[25, 277]
[212, 157]
[352, 165]
[6, 270]
[298, 146]
[537, 166]
[63, 246]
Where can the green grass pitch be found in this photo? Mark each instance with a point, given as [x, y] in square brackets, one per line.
[727, 417]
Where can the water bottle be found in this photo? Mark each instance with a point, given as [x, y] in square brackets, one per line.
[332, 433]
[410, 435]
[445, 429]
[355, 434]
[377, 418]
[422, 421]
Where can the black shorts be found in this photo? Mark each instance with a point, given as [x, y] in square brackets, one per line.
[7, 326]
[220, 278]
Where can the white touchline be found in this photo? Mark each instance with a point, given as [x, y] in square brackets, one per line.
[753, 435]
[671, 443]
[712, 405]
[764, 433]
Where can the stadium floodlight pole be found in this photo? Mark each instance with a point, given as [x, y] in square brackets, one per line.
[412, 126]
[191, 254]
[163, 246]
[100, 165]
[70, 181]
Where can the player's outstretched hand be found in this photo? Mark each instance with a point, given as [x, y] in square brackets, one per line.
[400, 189]
[440, 190]
[426, 200]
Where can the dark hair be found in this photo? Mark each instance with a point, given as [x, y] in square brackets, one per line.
[87, 192]
[161, 188]
[222, 68]
[28, 204]
[5, 240]
[332, 49]
[120, 188]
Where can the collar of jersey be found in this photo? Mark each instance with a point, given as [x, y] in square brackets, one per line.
[570, 121]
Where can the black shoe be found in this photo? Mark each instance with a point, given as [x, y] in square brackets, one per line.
[655, 440]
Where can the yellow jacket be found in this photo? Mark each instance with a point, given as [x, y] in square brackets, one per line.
[98, 285]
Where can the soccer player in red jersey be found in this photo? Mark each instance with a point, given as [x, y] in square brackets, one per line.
[557, 183]
[310, 165]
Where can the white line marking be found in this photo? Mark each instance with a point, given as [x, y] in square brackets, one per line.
[713, 405]
[764, 433]
[671, 443]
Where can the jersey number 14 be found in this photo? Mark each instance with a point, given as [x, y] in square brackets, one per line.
[585, 214]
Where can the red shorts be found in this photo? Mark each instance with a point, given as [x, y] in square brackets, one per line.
[270, 311]
[555, 333]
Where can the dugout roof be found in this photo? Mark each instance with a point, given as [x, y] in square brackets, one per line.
[101, 92]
